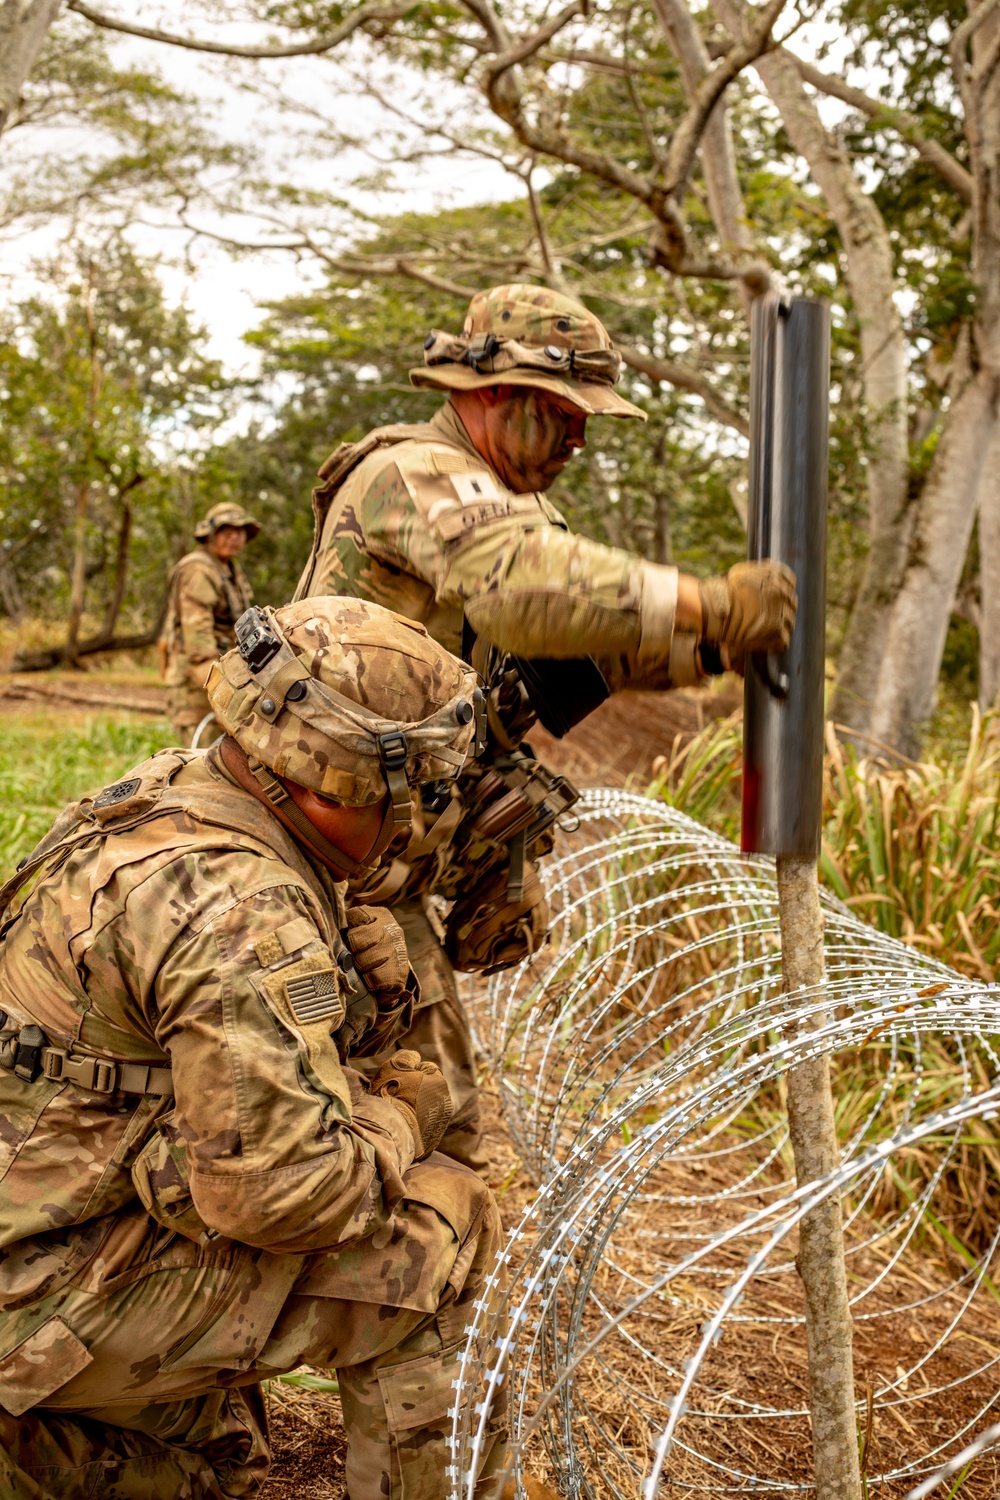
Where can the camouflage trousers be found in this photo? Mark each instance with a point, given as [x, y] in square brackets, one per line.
[441, 1034]
[187, 705]
[139, 1379]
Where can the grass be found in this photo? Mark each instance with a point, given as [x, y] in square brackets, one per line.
[912, 848]
[48, 759]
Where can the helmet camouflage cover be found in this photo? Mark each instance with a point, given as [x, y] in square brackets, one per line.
[226, 513]
[529, 336]
[340, 695]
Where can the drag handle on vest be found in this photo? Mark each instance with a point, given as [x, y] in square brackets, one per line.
[783, 695]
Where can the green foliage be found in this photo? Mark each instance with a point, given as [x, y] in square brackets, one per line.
[103, 388]
[95, 142]
[912, 849]
[46, 762]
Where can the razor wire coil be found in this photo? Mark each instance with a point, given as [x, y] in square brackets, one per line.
[640, 1058]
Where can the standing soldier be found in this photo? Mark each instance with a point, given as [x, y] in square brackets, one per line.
[448, 523]
[207, 593]
[198, 1191]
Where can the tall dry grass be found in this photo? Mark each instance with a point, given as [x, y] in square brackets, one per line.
[912, 847]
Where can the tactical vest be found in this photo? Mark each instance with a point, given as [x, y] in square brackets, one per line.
[105, 1057]
[237, 599]
[338, 467]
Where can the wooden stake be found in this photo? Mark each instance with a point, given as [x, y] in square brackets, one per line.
[829, 1330]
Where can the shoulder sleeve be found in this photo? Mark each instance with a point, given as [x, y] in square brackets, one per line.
[244, 1007]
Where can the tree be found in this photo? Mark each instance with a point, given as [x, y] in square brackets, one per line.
[106, 400]
[347, 349]
[630, 115]
[24, 27]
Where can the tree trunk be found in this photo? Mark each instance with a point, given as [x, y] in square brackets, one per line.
[663, 551]
[718, 154]
[989, 577]
[57, 656]
[10, 592]
[121, 568]
[829, 1330]
[871, 279]
[79, 572]
[918, 625]
[24, 25]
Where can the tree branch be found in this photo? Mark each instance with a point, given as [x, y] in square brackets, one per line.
[529, 45]
[666, 372]
[491, 23]
[347, 28]
[906, 125]
[709, 91]
[718, 153]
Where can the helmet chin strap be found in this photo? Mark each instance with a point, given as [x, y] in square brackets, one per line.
[262, 784]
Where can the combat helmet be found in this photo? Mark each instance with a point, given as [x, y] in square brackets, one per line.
[226, 513]
[529, 336]
[348, 699]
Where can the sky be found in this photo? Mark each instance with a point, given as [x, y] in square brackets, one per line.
[224, 292]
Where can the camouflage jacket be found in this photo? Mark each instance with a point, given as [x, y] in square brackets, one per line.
[205, 599]
[426, 528]
[172, 922]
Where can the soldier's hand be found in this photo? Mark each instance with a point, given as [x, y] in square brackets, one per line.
[378, 947]
[419, 1092]
[751, 609]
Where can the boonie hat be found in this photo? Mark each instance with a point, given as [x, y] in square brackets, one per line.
[226, 513]
[529, 336]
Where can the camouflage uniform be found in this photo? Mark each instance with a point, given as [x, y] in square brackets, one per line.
[423, 526]
[205, 598]
[197, 1192]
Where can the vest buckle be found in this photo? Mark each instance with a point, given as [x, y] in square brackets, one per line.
[97, 1074]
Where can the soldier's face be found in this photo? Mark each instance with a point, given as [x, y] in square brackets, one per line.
[352, 830]
[228, 542]
[530, 436]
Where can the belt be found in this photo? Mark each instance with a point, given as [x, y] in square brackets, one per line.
[29, 1055]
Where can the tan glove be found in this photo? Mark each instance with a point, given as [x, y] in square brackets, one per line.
[419, 1092]
[751, 609]
[378, 947]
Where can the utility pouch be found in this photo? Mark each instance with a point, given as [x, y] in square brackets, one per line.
[488, 931]
[160, 1177]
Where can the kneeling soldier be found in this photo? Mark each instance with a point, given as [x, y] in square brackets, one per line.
[198, 1191]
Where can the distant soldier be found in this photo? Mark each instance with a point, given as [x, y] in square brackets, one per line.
[208, 591]
[198, 1190]
[448, 523]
